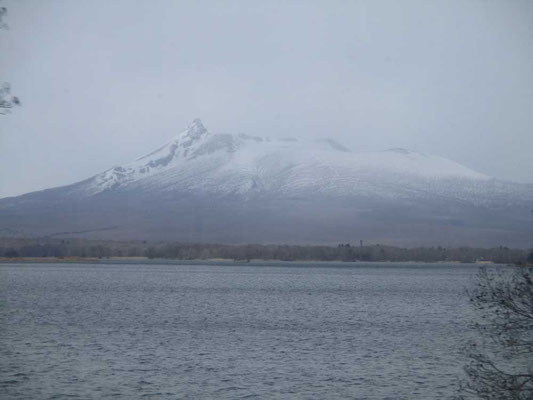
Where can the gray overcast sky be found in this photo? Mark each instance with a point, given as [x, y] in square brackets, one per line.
[103, 82]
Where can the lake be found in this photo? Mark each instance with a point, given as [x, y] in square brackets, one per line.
[274, 331]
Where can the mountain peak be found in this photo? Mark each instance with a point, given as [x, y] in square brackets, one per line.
[196, 129]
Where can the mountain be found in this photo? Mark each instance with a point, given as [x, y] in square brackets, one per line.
[207, 187]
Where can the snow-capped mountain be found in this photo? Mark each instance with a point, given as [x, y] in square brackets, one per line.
[224, 163]
[204, 186]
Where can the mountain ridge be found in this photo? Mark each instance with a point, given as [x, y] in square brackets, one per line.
[196, 141]
[237, 188]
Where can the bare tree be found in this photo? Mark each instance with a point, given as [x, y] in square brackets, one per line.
[7, 101]
[3, 13]
[501, 359]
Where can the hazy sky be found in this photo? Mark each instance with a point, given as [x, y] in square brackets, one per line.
[104, 82]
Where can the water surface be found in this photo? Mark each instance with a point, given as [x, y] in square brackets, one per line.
[304, 331]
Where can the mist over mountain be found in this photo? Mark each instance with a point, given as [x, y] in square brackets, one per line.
[236, 188]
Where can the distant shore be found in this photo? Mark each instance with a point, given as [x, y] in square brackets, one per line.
[214, 261]
[76, 250]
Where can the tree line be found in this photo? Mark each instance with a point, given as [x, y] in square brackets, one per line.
[59, 248]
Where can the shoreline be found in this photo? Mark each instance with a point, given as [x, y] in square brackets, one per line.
[212, 261]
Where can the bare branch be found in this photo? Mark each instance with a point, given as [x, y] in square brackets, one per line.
[501, 361]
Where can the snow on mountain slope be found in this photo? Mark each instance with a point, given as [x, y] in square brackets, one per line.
[222, 188]
[197, 160]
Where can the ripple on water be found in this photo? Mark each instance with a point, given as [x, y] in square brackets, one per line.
[132, 331]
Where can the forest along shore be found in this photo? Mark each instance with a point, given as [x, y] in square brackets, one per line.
[85, 250]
